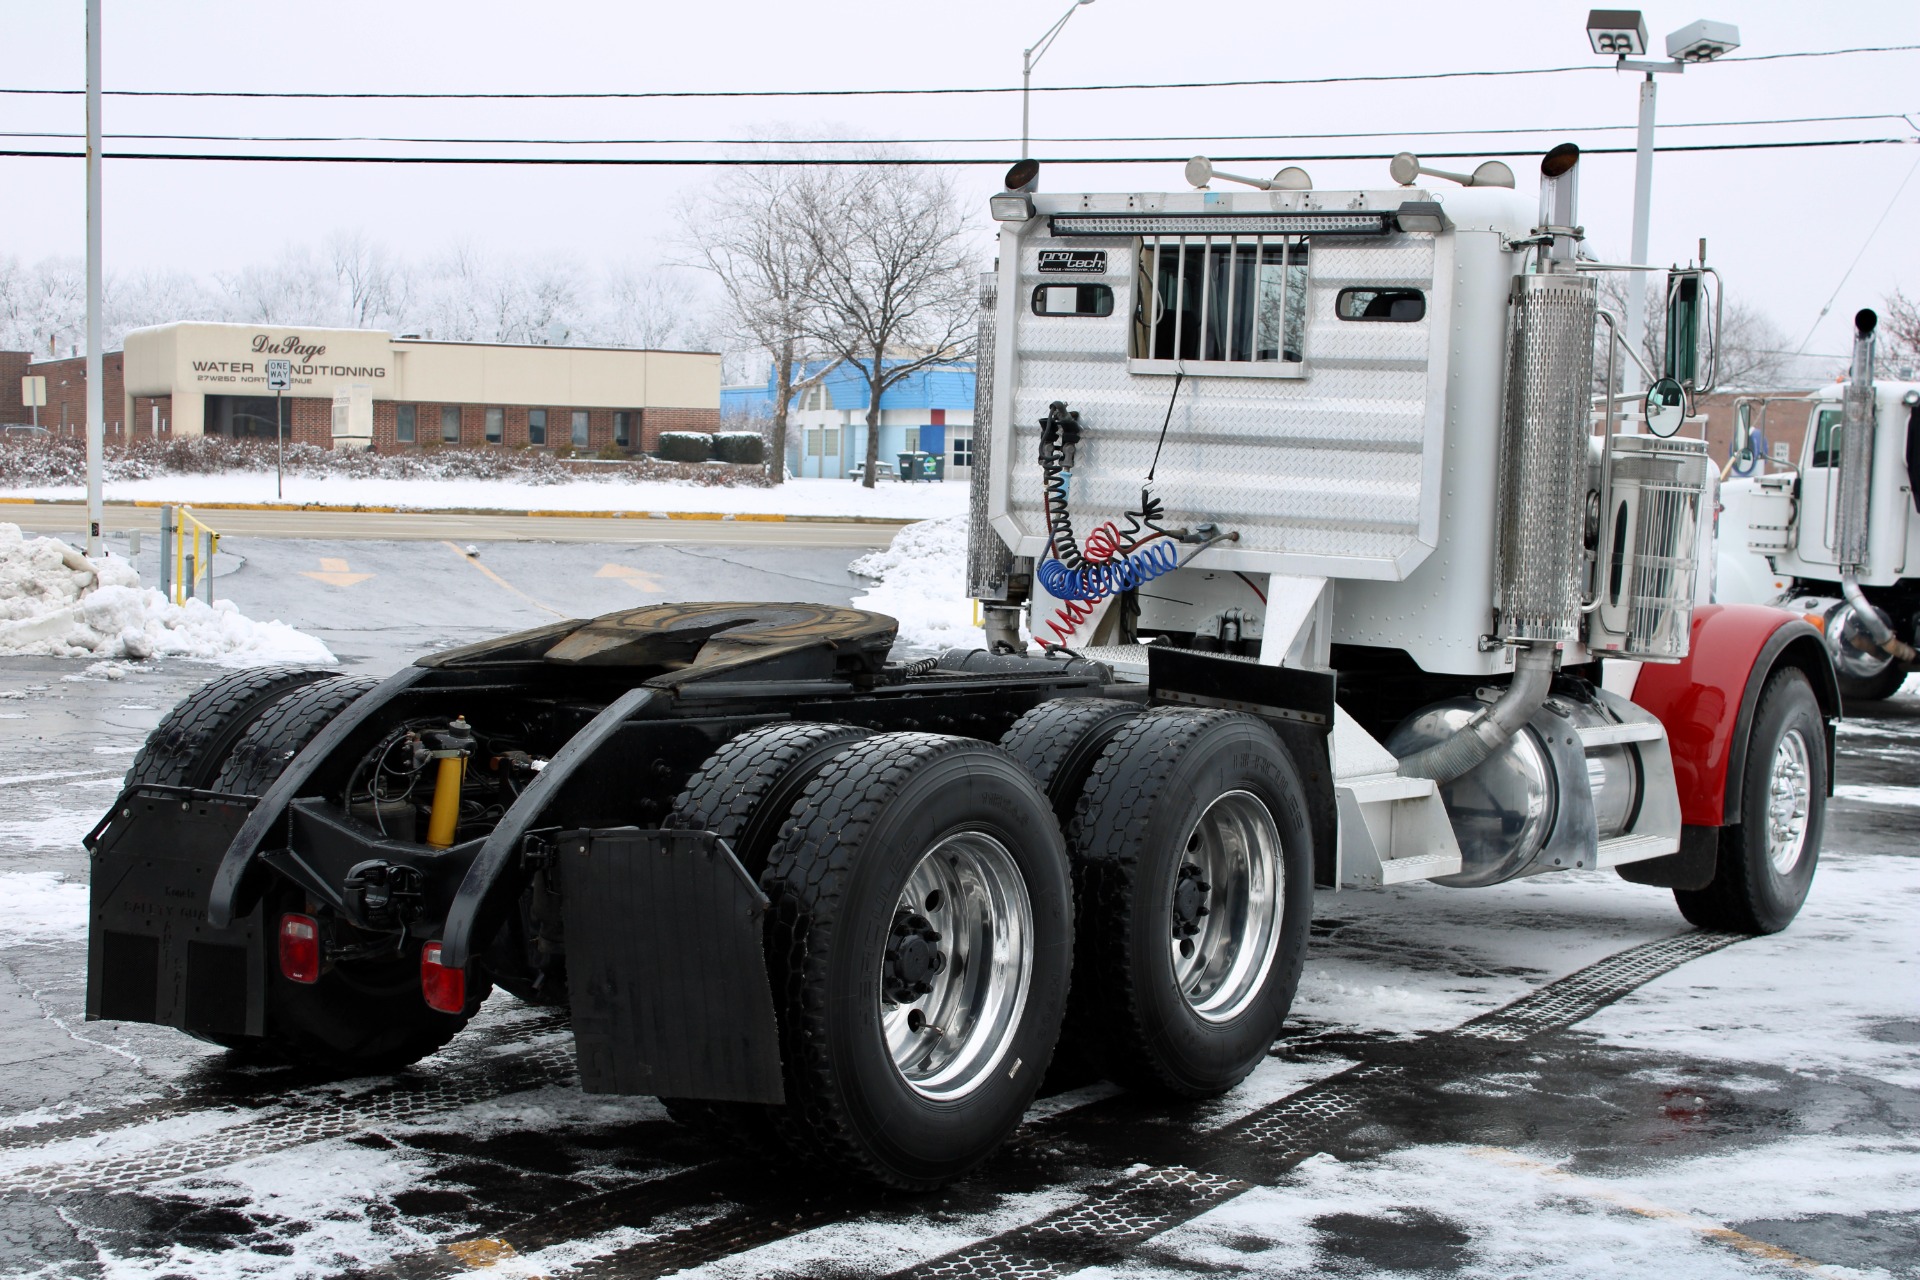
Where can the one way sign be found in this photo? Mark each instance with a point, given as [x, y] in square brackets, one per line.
[279, 375]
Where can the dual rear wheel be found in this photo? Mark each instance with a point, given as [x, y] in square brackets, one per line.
[924, 907]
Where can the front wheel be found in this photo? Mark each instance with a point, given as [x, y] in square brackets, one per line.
[1767, 860]
[1875, 688]
[919, 944]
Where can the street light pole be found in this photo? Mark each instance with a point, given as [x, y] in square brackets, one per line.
[1030, 59]
[96, 377]
[1642, 210]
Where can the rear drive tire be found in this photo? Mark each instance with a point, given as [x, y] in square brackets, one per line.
[1194, 891]
[743, 794]
[1767, 861]
[188, 747]
[1059, 741]
[918, 943]
[363, 1016]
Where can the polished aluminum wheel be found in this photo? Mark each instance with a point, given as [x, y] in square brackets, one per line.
[1227, 894]
[959, 959]
[1789, 801]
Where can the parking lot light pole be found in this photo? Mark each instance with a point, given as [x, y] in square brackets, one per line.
[1031, 59]
[96, 378]
[1622, 34]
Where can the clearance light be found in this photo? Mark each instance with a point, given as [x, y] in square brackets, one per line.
[1365, 223]
[1818, 620]
[445, 988]
[1010, 206]
[299, 949]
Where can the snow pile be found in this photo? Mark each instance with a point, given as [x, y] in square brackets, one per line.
[55, 602]
[40, 906]
[922, 582]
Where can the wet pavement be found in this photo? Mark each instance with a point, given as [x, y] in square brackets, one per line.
[1554, 1077]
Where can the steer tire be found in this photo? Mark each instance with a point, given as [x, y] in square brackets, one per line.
[189, 746]
[364, 1016]
[271, 742]
[743, 794]
[1058, 742]
[1136, 841]
[1749, 893]
[841, 883]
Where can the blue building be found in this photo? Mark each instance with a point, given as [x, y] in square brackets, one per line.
[929, 411]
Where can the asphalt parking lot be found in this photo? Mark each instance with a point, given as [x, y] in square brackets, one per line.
[1555, 1077]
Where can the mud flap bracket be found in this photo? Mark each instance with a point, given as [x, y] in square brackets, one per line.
[665, 966]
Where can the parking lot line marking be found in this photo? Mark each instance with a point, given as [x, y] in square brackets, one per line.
[483, 1252]
[1706, 1227]
[475, 562]
[638, 577]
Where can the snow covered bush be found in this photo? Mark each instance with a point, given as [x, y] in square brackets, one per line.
[685, 446]
[740, 446]
[56, 602]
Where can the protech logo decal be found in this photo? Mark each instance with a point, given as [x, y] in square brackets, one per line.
[263, 345]
[1089, 261]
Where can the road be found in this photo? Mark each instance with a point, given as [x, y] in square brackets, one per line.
[70, 519]
[1555, 1077]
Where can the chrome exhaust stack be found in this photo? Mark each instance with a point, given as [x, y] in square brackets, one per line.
[1855, 489]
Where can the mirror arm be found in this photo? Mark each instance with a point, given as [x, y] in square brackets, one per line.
[1713, 358]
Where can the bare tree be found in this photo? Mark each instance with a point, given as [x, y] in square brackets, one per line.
[1753, 350]
[377, 288]
[749, 232]
[1900, 330]
[892, 291]
[650, 307]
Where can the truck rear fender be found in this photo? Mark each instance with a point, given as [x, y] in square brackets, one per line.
[1707, 699]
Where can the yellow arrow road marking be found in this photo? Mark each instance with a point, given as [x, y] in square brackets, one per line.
[334, 573]
[638, 577]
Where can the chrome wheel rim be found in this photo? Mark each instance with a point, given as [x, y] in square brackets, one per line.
[1789, 801]
[957, 965]
[1227, 893]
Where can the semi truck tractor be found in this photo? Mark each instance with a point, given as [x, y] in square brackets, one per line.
[1306, 562]
[1833, 516]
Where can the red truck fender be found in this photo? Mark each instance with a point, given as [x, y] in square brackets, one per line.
[1706, 700]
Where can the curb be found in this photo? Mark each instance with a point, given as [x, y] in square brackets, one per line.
[350, 508]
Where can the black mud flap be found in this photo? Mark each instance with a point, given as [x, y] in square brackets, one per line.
[664, 963]
[151, 955]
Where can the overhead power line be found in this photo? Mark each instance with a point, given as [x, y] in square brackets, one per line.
[895, 142]
[827, 162]
[916, 91]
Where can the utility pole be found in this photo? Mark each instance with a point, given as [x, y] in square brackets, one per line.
[96, 376]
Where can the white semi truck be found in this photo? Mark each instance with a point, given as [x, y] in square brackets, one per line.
[1834, 516]
[1335, 585]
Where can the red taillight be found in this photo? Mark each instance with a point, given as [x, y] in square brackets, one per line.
[444, 988]
[299, 948]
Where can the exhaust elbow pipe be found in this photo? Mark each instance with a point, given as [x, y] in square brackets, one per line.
[1481, 738]
[1871, 621]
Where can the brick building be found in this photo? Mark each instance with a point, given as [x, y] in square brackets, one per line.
[361, 388]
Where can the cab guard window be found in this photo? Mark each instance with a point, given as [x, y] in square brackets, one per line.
[1073, 300]
[1395, 306]
[1220, 304]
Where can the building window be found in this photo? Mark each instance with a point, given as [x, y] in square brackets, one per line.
[450, 424]
[536, 426]
[1232, 304]
[579, 428]
[403, 424]
[913, 439]
[496, 425]
[823, 442]
[622, 428]
[963, 453]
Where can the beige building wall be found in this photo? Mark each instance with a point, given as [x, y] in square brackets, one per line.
[192, 360]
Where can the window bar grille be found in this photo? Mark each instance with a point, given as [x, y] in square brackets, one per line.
[1206, 295]
[1233, 267]
[1179, 294]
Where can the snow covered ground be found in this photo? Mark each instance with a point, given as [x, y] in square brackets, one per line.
[55, 602]
[888, 499]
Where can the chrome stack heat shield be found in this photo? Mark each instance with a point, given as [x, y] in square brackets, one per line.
[1853, 495]
[988, 559]
[1543, 482]
[1649, 549]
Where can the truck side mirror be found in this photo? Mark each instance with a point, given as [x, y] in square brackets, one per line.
[1666, 407]
[1685, 305]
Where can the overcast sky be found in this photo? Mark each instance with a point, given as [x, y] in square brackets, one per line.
[1782, 225]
